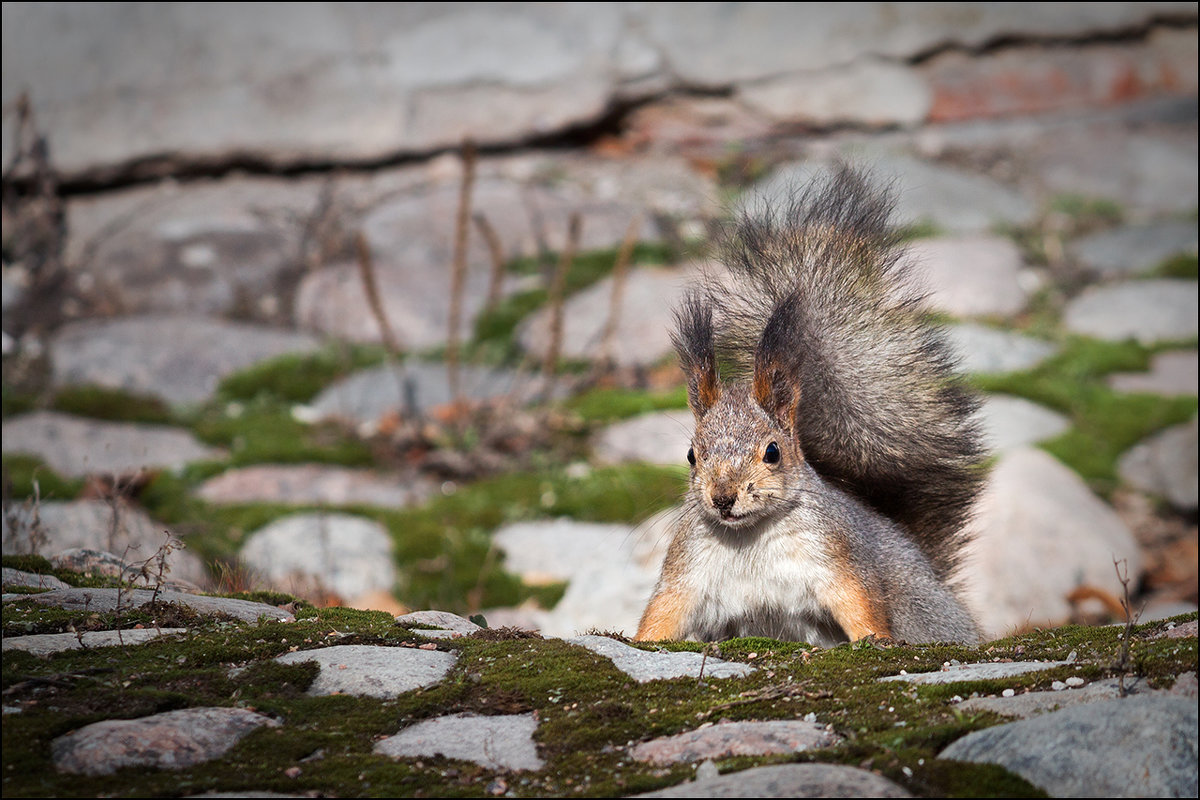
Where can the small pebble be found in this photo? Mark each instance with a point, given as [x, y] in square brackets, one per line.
[1075, 680]
[1058, 686]
[1007, 693]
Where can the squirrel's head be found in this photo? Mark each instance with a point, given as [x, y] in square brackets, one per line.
[744, 464]
[744, 455]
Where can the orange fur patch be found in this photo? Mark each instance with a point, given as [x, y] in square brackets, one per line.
[663, 617]
[855, 612]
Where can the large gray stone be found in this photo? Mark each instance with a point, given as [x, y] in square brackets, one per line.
[325, 81]
[75, 446]
[1149, 311]
[1172, 373]
[730, 739]
[1010, 422]
[1040, 533]
[1164, 464]
[661, 437]
[305, 484]
[788, 780]
[44, 644]
[719, 44]
[370, 671]
[497, 742]
[989, 350]
[172, 740]
[644, 666]
[867, 91]
[229, 247]
[102, 600]
[18, 577]
[642, 335]
[1135, 248]
[178, 358]
[347, 555]
[1136, 747]
[121, 529]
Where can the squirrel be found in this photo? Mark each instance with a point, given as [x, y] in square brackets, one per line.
[831, 480]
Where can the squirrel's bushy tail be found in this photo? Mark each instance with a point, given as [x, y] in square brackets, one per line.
[881, 411]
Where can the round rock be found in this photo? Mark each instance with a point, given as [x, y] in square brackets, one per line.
[1143, 746]
[76, 446]
[499, 742]
[644, 666]
[1134, 249]
[970, 275]
[789, 780]
[1165, 465]
[730, 739]
[371, 671]
[350, 556]
[1148, 311]
[180, 359]
[1040, 533]
[173, 740]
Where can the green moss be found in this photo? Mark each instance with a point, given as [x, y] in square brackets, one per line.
[444, 549]
[1180, 265]
[16, 402]
[266, 432]
[1090, 212]
[298, 378]
[610, 405]
[1105, 423]
[924, 229]
[588, 711]
[22, 471]
[99, 402]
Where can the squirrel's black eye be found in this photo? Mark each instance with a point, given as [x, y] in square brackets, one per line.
[691, 456]
[771, 455]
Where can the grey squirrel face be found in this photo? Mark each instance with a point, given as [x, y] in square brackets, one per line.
[745, 467]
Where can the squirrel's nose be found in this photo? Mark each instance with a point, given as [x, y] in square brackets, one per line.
[724, 502]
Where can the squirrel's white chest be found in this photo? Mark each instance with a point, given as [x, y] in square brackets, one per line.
[769, 584]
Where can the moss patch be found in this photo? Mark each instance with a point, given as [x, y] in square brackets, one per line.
[588, 711]
[609, 405]
[1105, 423]
[115, 405]
[298, 378]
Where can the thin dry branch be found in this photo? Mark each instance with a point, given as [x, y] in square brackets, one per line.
[496, 251]
[620, 271]
[459, 266]
[366, 270]
[557, 288]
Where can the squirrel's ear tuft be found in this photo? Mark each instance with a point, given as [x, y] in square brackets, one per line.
[777, 363]
[694, 342]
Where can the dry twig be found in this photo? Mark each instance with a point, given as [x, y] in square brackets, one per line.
[496, 251]
[459, 267]
[557, 289]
